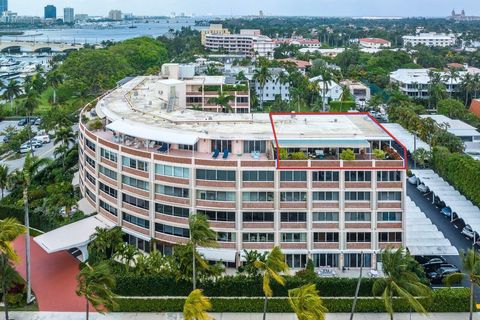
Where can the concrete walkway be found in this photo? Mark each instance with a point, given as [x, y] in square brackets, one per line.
[230, 316]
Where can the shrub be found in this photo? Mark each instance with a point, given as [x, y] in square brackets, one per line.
[379, 154]
[95, 124]
[298, 156]
[347, 154]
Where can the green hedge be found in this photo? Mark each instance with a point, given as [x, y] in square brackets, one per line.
[235, 286]
[339, 106]
[444, 300]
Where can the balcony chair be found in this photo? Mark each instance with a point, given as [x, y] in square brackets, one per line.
[225, 154]
[163, 148]
[216, 152]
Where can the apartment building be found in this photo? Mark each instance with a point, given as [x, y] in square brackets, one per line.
[273, 87]
[430, 39]
[150, 167]
[249, 43]
[299, 42]
[374, 43]
[360, 92]
[213, 29]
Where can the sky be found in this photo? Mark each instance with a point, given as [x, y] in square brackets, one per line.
[430, 8]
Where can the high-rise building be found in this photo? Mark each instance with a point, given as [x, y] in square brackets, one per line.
[3, 5]
[68, 15]
[50, 12]
[115, 15]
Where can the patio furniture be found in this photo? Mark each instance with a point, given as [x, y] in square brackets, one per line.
[225, 154]
[326, 272]
[163, 148]
[256, 155]
[373, 273]
[320, 155]
[216, 152]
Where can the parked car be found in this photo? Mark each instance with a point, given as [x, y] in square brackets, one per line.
[438, 275]
[468, 232]
[426, 259]
[22, 122]
[447, 212]
[27, 146]
[32, 120]
[433, 266]
[438, 202]
[8, 136]
[423, 188]
[38, 122]
[413, 180]
[43, 138]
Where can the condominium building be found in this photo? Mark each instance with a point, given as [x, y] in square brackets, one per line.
[248, 43]
[150, 167]
[50, 12]
[115, 15]
[213, 29]
[299, 42]
[374, 43]
[68, 15]
[273, 87]
[360, 92]
[3, 6]
[431, 39]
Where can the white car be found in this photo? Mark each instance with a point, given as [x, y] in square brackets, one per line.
[423, 188]
[27, 146]
[468, 232]
[473, 153]
[43, 138]
[413, 180]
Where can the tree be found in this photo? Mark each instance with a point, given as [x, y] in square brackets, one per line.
[200, 235]
[271, 270]
[23, 178]
[54, 79]
[95, 284]
[223, 100]
[10, 229]
[4, 177]
[196, 306]
[451, 76]
[399, 280]
[12, 90]
[64, 137]
[282, 79]
[105, 242]
[306, 303]
[436, 89]
[422, 157]
[471, 265]
[127, 254]
[451, 108]
[326, 80]
[250, 257]
[262, 75]
[345, 96]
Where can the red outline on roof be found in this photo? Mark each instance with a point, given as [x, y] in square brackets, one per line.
[278, 160]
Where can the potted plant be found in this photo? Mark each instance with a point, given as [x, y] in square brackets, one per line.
[379, 154]
[347, 155]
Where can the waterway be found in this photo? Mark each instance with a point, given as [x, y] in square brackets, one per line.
[103, 31]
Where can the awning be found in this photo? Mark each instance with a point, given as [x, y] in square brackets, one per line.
[213, 254]
[76, 179]
[86, 207]
[150, 133]
[323, 143]
[72, 235]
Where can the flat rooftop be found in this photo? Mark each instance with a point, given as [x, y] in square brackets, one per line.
[137, 105]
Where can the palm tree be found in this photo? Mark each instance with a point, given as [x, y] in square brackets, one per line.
[436, 89]
[54, 79]
[271, 269]
[326, 78]
[200, 235]
[282, 79]
[95, 285]
[64, 137]
[451, 76]
[345, 96]
[127, 254]
[399, 280]
[30, 104]
[196, 306]
[467, 85]
[23, 179]
[306, 303]
[106, 241]
[223, 100]
[4, 177]
[476, 84]
[262, 76]
[12, 90]
[471, 265]
[10, 229]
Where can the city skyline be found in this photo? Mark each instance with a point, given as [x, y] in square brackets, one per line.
[428, 8]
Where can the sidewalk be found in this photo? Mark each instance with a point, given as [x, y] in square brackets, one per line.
[230, 316]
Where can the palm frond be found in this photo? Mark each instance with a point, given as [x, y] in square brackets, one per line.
[196, 306]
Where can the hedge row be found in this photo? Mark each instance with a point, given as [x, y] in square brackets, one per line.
[235, 286]
[444, 300]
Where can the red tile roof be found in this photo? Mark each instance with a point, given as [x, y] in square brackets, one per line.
[475, 107]
[299, 63]
[374, 40]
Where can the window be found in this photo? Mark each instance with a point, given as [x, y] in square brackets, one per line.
[357, 196]
[90, 144]
[222, 145]
[295, 196]
[390, 237]
[325, 237]
[136, 220]
[390, 196]
[135, 164]
[293, 216]
[90, 194]
[136, 183]
[353, 260]
[215, 195]
[172, 211]
[258, 217]
[108, 207]
[226, 236]
[258, 175]
[171, 191]
[110, 155]
[108, 190]
[293, 176]
[257, 237]
[359, 237]
[389, 176]
[144, 204]
[325, 196]
[358, 176]
[174, 231]
[218, 215]
[389, 216]
[294, 237]
[90, 161]
[327, 176]
[90, 178]
[358, 216]
[296, 261]
[250, 146]
[215, 175]
[107, 172]
[325, 260]
[172, 171]
[260, 196]
[325, 216]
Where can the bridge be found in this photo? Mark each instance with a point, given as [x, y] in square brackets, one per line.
[19, 46]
